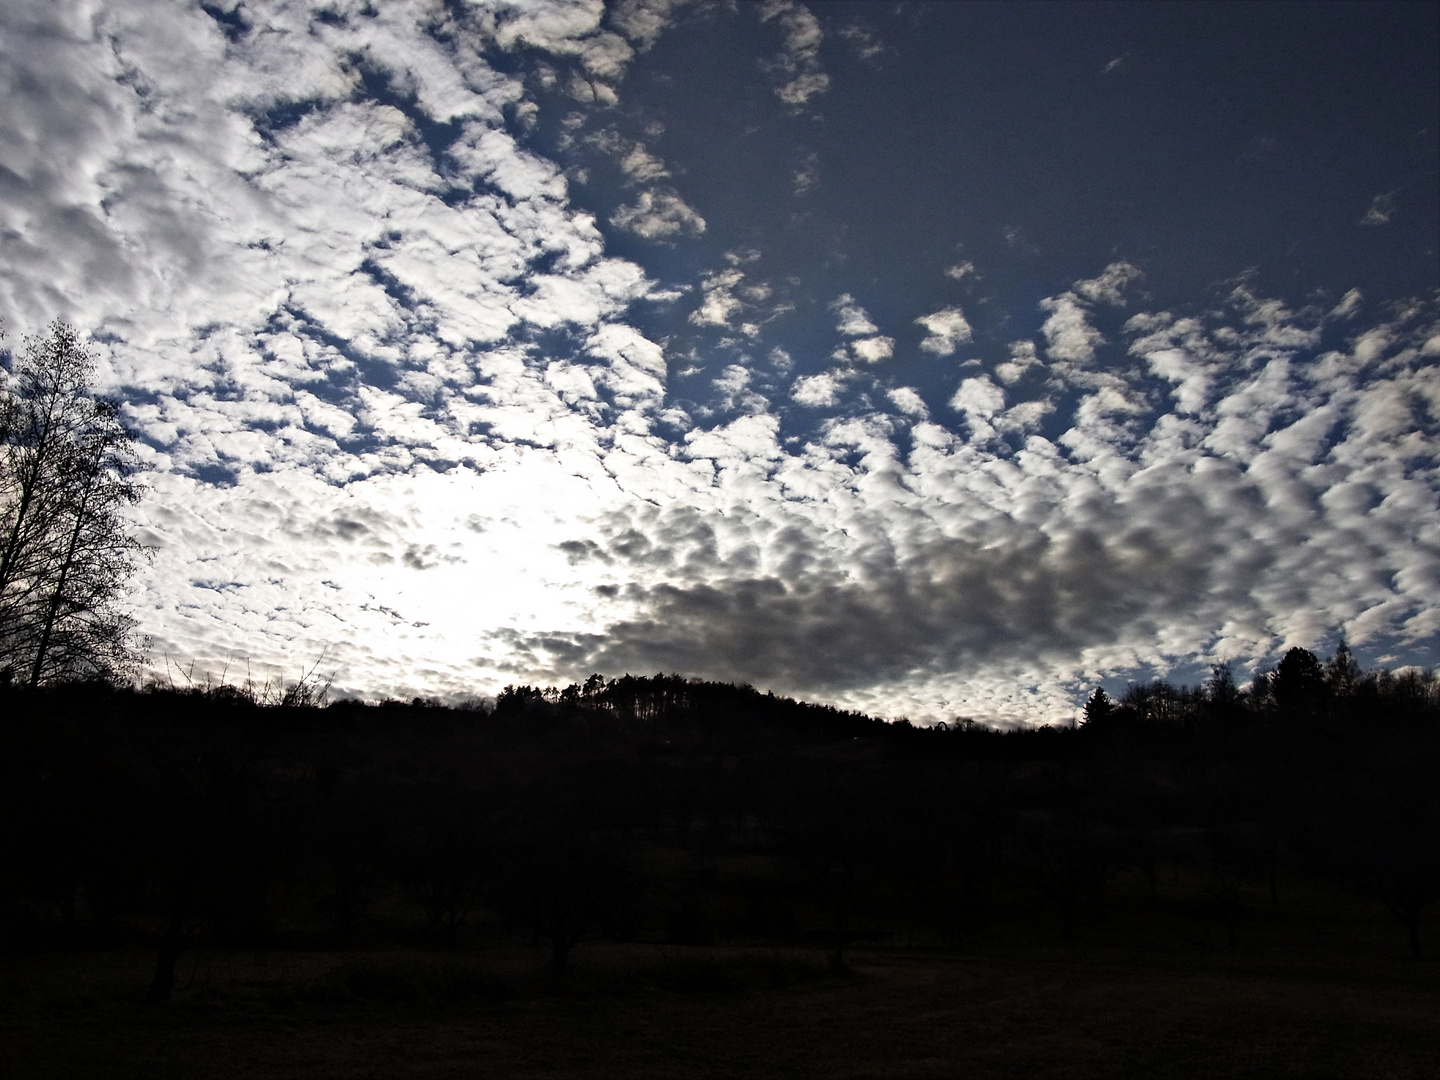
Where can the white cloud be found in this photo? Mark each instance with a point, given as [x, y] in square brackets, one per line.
[720, 304]
[643, 21]
[605, 56]
[738, 445]
[1109, 287]
[637, 163]
[908, 400]
[818, 391]
[873, 349]
[1348, 305]
[852, 320]
[555, 25]
[735, 392]
[1067, 331]
[1191, 379]
[799, 90]
[946, 330]
[979, 399]
[1022, 361]
[799, 64]
[572, 28]
[1025, 417]
[659, 215]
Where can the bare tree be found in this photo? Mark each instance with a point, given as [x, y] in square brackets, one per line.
[65, 548]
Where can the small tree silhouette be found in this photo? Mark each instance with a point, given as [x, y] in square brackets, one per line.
[66, 462]
[1098, 709]
[1298, 684]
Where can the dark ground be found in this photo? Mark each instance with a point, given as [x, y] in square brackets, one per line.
[1190, 885]
[1088, 1010]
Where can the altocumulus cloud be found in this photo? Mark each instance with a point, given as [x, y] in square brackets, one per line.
[1233, 502]
[395, 405]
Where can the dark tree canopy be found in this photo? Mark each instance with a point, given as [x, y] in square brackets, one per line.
[1298, 682]
[66, 553]
[1099, 708]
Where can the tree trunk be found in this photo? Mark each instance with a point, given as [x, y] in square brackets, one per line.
[53, 608]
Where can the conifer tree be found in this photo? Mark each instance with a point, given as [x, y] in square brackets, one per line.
[1099, 708]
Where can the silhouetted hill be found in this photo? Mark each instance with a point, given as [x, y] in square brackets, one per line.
[668, 809]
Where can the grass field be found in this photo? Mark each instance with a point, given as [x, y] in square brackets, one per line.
[1087, 1010]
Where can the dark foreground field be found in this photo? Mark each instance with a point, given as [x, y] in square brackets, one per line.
[651, 1011]
[1199, 884]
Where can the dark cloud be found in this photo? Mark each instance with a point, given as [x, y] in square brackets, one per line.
[952, 610]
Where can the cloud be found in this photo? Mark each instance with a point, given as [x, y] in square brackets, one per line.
[739, 446]
[572, 28]
[873, 349]
[1349, 304]
[659, 215]
[1070, 337]
[643, 21]
[251, 275]
[781, 359]
[1022, 361]
[861, 572]
[818, 391]
[1382, 209]
[639, 165]
[636, 163]
[852, 320]
[946, 329]
[799, 64]
[735, 392]
[1109, 287]
[729, 296]
[908, 400]
[807, 176]
[392, 403]
[863, 40]
[1016, 241]
[799, 90]
[554, 25]
[979, 400]
[1067, 331]
[720, 303]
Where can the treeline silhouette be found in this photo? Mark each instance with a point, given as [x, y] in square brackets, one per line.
[669, 809]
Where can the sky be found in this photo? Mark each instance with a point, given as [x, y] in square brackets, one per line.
[927, 359]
